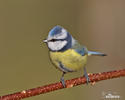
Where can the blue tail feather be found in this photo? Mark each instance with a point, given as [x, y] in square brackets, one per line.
[94, 53]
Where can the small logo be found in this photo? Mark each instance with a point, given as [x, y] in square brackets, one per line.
[110, 95]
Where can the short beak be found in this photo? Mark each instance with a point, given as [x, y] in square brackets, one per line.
[45, 40]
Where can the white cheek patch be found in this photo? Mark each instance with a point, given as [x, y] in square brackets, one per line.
[57, 45]
[62, 35]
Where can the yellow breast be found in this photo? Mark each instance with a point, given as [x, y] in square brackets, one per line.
[69, 58]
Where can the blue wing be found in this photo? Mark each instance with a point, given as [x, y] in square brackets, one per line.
[79, 48]
[80, 51]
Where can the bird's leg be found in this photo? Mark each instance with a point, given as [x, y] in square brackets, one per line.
[86, 76]
[62, 80]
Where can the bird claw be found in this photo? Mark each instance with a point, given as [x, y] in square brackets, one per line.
[63, 82]
[86, 76]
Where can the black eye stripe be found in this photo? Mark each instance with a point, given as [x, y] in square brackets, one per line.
[53, 40]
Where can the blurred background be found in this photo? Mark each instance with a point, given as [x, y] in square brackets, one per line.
[97, 24]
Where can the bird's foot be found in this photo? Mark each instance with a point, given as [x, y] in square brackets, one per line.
[86, 76]
[63, 82]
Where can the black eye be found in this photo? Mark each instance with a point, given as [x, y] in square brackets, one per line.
[53, 40]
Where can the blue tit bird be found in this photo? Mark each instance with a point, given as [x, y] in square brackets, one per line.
[66, 53]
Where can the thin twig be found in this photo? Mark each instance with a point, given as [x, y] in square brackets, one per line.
[69, 83]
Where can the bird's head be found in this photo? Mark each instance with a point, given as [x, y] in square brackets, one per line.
[58, 39]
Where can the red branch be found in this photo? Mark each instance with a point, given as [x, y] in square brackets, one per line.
[69, 83]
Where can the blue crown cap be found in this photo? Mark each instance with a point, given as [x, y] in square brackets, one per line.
[56, 30]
